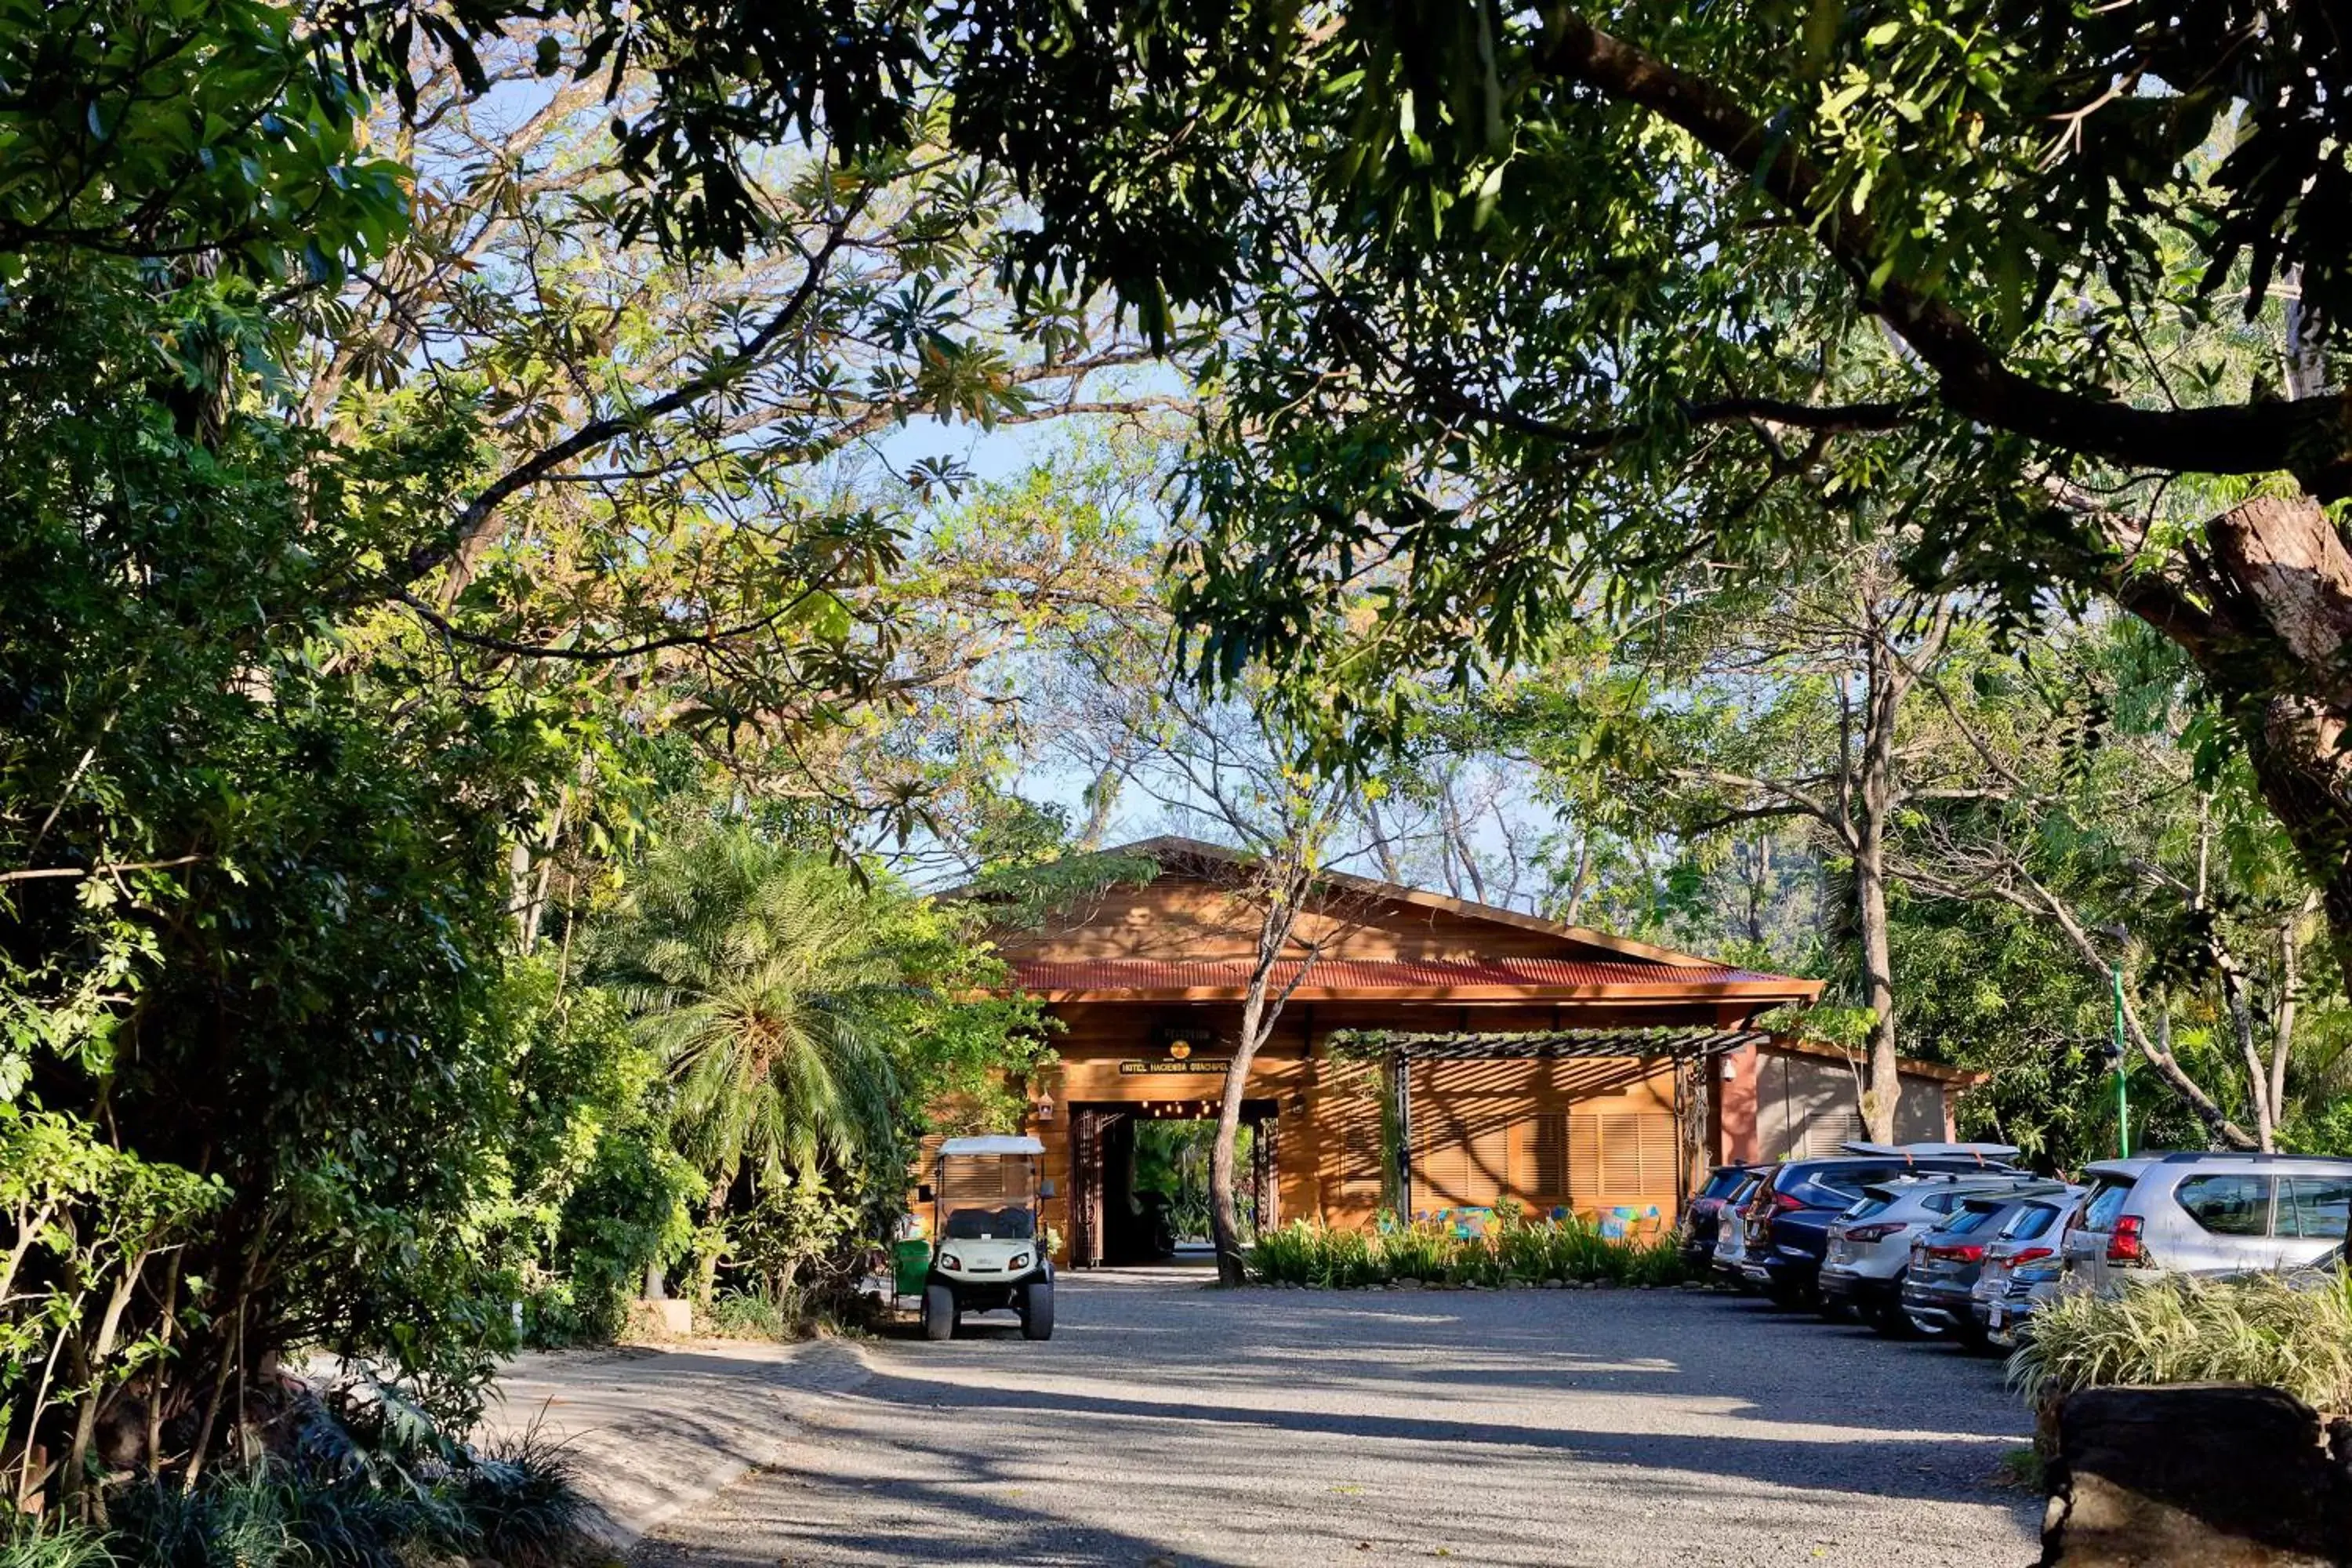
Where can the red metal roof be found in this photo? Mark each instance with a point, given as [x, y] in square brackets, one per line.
[1374, 977]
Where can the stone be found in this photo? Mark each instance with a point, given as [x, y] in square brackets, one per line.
[669, 1316]
[2217, 1475]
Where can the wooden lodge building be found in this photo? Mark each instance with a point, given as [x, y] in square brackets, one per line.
[1435, 1054]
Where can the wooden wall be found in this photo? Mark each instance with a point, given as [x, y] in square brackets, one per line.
[1601, 1132]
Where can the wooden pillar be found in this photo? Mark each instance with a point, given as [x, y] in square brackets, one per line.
[1400, 1113]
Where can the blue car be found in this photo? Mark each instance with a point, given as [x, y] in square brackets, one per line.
[1788, 1218]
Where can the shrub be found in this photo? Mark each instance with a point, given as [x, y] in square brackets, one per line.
[361, 1480]
[1306, 1252]
[754, 1314]
[2295, 1336]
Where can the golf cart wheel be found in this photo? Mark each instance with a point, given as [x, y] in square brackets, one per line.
[939, 1312]
[1037, 1310]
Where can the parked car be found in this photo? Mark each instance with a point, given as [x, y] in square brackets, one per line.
[1869, 1249]
[1948, 1264]
[2025, 1287]
[1702, 1215]
[1787, 1220]
[1731, 1231]
[2207, 1214]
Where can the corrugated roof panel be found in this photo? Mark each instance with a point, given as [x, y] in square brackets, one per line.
[1365, 975]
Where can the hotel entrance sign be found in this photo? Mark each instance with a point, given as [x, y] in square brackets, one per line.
[1188, 1065]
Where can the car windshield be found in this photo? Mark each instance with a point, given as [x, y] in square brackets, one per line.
[1974, 1216]
[2032, 1220]
[1872, 1202]
[1011, 1224]
[1723, 1184]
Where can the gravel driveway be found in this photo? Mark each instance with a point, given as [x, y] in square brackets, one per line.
[1168, 1424]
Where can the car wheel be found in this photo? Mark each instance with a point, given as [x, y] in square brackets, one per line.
[1037, 1310]
[1891, 1322]
[939, 1312]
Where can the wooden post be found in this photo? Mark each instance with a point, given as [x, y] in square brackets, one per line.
[1400, 1099]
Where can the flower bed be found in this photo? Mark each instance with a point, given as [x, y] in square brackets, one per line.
[1514, 1250]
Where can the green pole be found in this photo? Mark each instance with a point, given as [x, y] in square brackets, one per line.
[2122, 1089]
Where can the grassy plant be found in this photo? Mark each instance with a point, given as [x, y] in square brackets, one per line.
[1306, 1252]
[2258, 1330]
[515, 1503]
[244, 1520]
[1416, 1251]
[26, 1544]
[1657, 1263]
[1287, 1256]
[521, 1504]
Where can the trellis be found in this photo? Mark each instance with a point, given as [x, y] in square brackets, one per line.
[1641, 1046]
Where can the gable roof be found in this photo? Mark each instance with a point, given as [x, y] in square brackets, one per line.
[1168, 848]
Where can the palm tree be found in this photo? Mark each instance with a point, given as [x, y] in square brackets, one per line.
[753, 970]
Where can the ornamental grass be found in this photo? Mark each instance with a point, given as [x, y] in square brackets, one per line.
[2292, 1334]
[1513, 1250]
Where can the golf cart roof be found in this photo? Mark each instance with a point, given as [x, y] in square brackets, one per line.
[992, 1143]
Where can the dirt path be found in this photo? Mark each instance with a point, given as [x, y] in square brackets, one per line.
[1166, 1424]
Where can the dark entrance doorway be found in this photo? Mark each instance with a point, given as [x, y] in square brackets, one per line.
[1113, 1222]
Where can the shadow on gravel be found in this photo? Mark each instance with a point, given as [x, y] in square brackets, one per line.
[1870, 1465]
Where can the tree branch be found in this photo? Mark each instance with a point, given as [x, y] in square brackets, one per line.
[2310, 436]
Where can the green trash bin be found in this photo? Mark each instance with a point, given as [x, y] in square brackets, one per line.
[912, 1261]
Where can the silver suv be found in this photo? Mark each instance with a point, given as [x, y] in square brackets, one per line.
[2207, 1214]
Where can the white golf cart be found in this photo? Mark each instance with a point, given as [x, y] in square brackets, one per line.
[987, 1250]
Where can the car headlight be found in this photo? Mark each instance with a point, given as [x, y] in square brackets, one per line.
[950, 1262]
[1019, 1260]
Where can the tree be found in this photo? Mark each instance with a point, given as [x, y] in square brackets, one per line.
[1543, 300]
[2107, 814]
[1763, 700]
[753, 971]
[809, 1022]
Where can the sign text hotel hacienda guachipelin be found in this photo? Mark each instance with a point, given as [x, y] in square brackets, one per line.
[1189, 1064]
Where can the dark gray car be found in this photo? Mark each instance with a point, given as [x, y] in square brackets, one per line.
[1940, 1283]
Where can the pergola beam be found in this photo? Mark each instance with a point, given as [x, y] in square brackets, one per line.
[1679, 1043]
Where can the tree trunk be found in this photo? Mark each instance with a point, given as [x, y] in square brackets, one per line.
[706, 1265]
[1225, 1216]
[1260, 1008]
[1883, 1086]
[2276, 645]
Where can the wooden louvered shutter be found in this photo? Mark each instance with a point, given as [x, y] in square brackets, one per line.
[1539, 1160]
[1621, 1156]
[1584, 1158]
[1487, 1161]
[1359, 1153]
